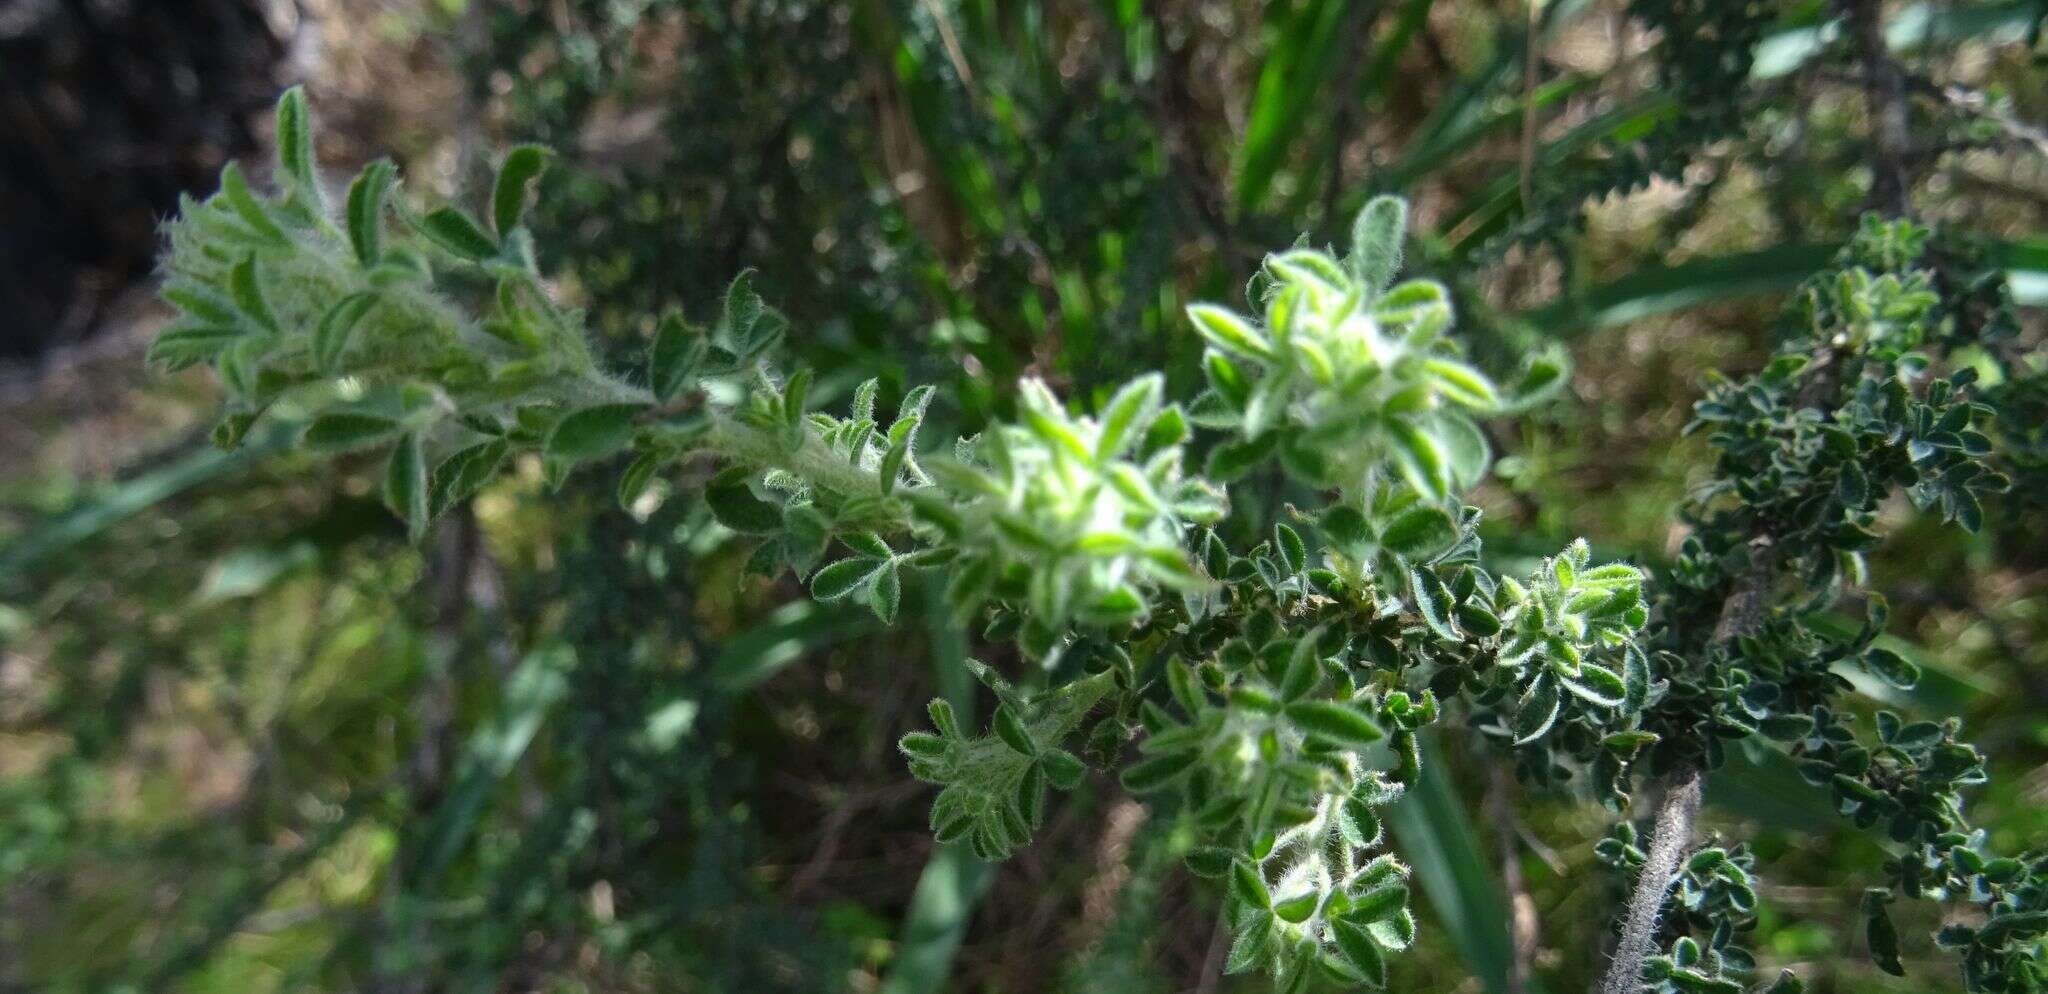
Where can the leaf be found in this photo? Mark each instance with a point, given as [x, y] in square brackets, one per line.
[885, 591]
[1302, 676]
[842, 578]
[1420, 532]
[1338, 723]
[1293, 554]
[1248, 887]
[743, 309]
[1599, 685]
[1891, 667]
[295, 160]
[346, 430]
[245, 205]
[457, 233]
[508, 195]
[639, 475]
[366, 210]
[1378, 904]
[1152, 774]
[1536, 711]
[330, 336]
[592, 432]
[1432, 602]
[1062, 768]
[1011, 730]
[1126, 414]
[201, 303]
[1464, 384]
[185, 344]
[1884, 940]
[1297, 909]
[405, 486]
[1376, 242]
[461, 475]
[1229, 332]
[248, 294]
[1466, 446]
[675, 357]
[1360, 951]
[1253, 945]
[1420, 459]
[737, 508]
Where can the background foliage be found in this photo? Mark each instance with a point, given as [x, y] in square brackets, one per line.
[257, 740]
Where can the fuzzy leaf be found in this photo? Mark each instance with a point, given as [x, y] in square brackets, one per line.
[1338, 723]
[346, 430]
[1230, 332]
[508, 195]
[592, 432]
[842, 578]
[405, 486]
[331, 335]
[457, 233]
[366, 210]
[1536, 711]
[1376, 242]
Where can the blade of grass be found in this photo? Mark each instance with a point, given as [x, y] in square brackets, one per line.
[1435, 834]
[529, 694]
[1296, 71]
[1659, 289]
[1662, 289]
[202, 465]
[954, 881]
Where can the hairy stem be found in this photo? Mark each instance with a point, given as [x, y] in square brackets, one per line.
[1668, 844]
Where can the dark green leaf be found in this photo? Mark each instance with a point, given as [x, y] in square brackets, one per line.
[405, 485]
[458, 234]
[295, 160]
[330, 337]
[348, 430]
[737, 508]
[366, 210]
[1339, 723]
[592, 432]
[508, 194]
[842, 578]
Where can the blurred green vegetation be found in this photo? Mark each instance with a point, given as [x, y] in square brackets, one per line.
[252, 740]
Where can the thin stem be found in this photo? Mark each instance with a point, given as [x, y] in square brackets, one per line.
[1669, 841]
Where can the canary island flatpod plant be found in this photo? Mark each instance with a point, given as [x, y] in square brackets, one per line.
[1276, 695]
